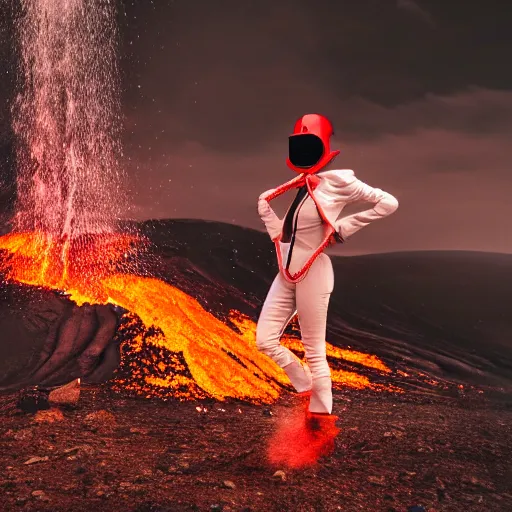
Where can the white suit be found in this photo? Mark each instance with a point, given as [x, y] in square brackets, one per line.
[315, 218]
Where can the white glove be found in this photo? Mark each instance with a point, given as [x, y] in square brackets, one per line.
[272, 222]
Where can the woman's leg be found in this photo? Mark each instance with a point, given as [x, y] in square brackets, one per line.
[312, 299]
[277, 311]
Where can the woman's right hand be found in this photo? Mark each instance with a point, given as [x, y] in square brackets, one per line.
[272, 222]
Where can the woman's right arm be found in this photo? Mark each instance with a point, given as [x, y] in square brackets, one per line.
[273, 223]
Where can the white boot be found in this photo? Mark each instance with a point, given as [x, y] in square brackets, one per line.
[299, 375]
[321, 396]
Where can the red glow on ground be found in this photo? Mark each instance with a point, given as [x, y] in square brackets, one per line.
[299, 441]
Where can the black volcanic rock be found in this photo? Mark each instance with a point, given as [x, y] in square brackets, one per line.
[47, 340]
[240, 258]
[442, 312]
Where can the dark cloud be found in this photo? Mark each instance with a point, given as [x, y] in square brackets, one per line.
[452, 184]
[225, 74]
[472, 111]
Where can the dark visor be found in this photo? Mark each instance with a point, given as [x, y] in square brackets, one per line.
[305, 150]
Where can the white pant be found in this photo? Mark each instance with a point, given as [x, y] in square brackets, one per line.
[309, 298]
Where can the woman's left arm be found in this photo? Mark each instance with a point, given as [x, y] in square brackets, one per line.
[384, 204]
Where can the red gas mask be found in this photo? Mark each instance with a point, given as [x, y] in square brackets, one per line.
[309, 149]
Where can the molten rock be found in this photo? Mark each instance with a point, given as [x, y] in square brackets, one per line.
[301, 438]
[66, 395]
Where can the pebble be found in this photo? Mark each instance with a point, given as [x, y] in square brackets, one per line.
[76, 450]
[100, 417]
[377, 480]
[280, 474]
[23, 434]
[394, 434]
[473, 480]
[41, 495]
[49, 416]
[143, 431]
[35, 460]
[229, 484]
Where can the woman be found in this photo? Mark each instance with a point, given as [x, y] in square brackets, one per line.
[305, 279]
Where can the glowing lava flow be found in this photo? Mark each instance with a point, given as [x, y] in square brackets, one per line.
[219, 362]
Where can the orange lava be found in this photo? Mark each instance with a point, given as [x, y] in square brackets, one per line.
[219, 362]
[76, 267]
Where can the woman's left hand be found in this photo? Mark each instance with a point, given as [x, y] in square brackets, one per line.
[336, 238]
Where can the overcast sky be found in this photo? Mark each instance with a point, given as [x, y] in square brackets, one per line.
[420, 93]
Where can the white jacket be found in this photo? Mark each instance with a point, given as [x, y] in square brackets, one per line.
[335, 190]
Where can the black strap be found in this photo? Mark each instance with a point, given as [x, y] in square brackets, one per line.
[287, 224]
[288, 231]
